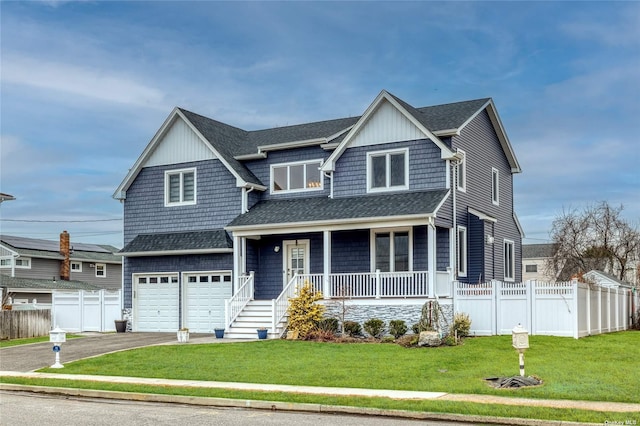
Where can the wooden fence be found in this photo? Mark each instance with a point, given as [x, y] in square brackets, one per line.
[557, 309]
[24, 324]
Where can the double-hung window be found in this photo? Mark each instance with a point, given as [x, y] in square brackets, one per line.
[509, 261]
[462, 251]
[101, 270]
[180, 187]
[296, 177]
[392, 251]
[388, 170]
[495, 186]
[21, 262]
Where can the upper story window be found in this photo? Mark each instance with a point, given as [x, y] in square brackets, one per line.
[76, 266]
[461, 172]
[101, 270]
[495, 186]
[179, 187]
[388, 170]
[296, 177]
[20, 262]
[509, 261]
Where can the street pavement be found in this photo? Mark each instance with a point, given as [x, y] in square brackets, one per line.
[22, 360]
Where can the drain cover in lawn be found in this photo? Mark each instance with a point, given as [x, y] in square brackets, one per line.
[513, 382]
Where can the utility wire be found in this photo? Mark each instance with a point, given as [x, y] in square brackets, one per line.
[59, 221]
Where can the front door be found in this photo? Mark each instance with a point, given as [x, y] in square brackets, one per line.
[295, 259]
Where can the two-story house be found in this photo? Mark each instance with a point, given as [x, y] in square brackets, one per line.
[385, 210]
[31, 268]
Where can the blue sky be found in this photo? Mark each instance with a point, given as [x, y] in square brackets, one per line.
[85, 85]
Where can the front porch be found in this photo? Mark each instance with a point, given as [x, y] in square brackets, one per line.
[244, 314]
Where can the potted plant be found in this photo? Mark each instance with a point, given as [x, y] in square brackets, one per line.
[219, 333]
[183, 335]
[121, 325]
[262, 333]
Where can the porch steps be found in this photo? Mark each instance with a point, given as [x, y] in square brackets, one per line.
[257, 314]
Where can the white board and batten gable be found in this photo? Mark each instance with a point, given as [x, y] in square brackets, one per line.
[177, 141]
[180, 144]
[384, 121]
[386, 125]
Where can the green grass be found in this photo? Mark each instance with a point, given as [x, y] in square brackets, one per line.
[16, 342]
[431, 406]
[599, 368]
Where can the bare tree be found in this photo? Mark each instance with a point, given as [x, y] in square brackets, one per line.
[595, 238]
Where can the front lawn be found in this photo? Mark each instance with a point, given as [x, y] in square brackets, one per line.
[600, 368]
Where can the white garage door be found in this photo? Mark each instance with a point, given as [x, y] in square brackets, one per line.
[204, 296]
[156, 302]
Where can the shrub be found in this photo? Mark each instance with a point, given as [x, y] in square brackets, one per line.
[387, 339]
[374, 327]
[461, 324]
[408, 340]
[352, 328]
[397, 328]
[328, 324]
[449, 340]
[320, 335]
[304, 312]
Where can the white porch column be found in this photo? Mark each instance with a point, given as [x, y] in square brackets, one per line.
[237, 262]
[431, 257]
[326, 286]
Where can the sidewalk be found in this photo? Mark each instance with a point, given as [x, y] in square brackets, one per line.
[334, 391]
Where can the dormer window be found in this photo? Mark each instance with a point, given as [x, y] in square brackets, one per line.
[180, 187]
[388, 170]
[296, 177]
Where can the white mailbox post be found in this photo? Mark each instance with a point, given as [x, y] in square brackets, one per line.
[57, 337]
[520, 341]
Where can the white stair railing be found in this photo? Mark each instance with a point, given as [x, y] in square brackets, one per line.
[239, 300]
[281, 303]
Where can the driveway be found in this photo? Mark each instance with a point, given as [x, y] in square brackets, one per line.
[31, 357]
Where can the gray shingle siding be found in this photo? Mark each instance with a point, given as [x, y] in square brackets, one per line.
[426, 169]
[350, 251]
[483, 151]
[218, 201]
[442, 249]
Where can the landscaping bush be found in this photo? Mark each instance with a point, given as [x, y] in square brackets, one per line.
[461, 324]
[352, 328]
[397, 328]
[408, 340]
[328, 324]
[374, 327]
[304, 312]
[320, 335]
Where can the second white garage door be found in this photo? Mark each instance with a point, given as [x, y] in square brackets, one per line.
[204, 296]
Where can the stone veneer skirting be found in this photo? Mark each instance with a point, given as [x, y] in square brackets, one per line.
[387, 310]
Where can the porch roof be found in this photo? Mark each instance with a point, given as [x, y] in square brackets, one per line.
[322, 210]
[193, 242]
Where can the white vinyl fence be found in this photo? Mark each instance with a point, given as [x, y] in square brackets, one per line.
[86, 310]
[557, 309]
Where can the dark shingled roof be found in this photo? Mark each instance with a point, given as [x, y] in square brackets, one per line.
[50, 249]
[179, 241]
[535, 251]
[231, 141]
[35, 283]
[321, 209]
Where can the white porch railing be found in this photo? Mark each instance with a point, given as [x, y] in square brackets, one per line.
[376, 285]
[281, 303]
[236, 304]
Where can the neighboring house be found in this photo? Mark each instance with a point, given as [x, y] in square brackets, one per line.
[535, 258]
[31, 268]
[604, 279]
[386, 210]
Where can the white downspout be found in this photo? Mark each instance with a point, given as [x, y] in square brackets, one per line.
[245, 199]
[330, 176]
[454, 190]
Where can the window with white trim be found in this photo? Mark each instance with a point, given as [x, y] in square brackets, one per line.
[392, 250]
[388, 170]
[495, 186]
[20, 262]
[180, 187]
[76, 266]
[509, 261]
[101, 270]
[296, 177]
[461, 172]
[462, 251]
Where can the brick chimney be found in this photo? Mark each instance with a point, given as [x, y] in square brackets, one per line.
[65, 267]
